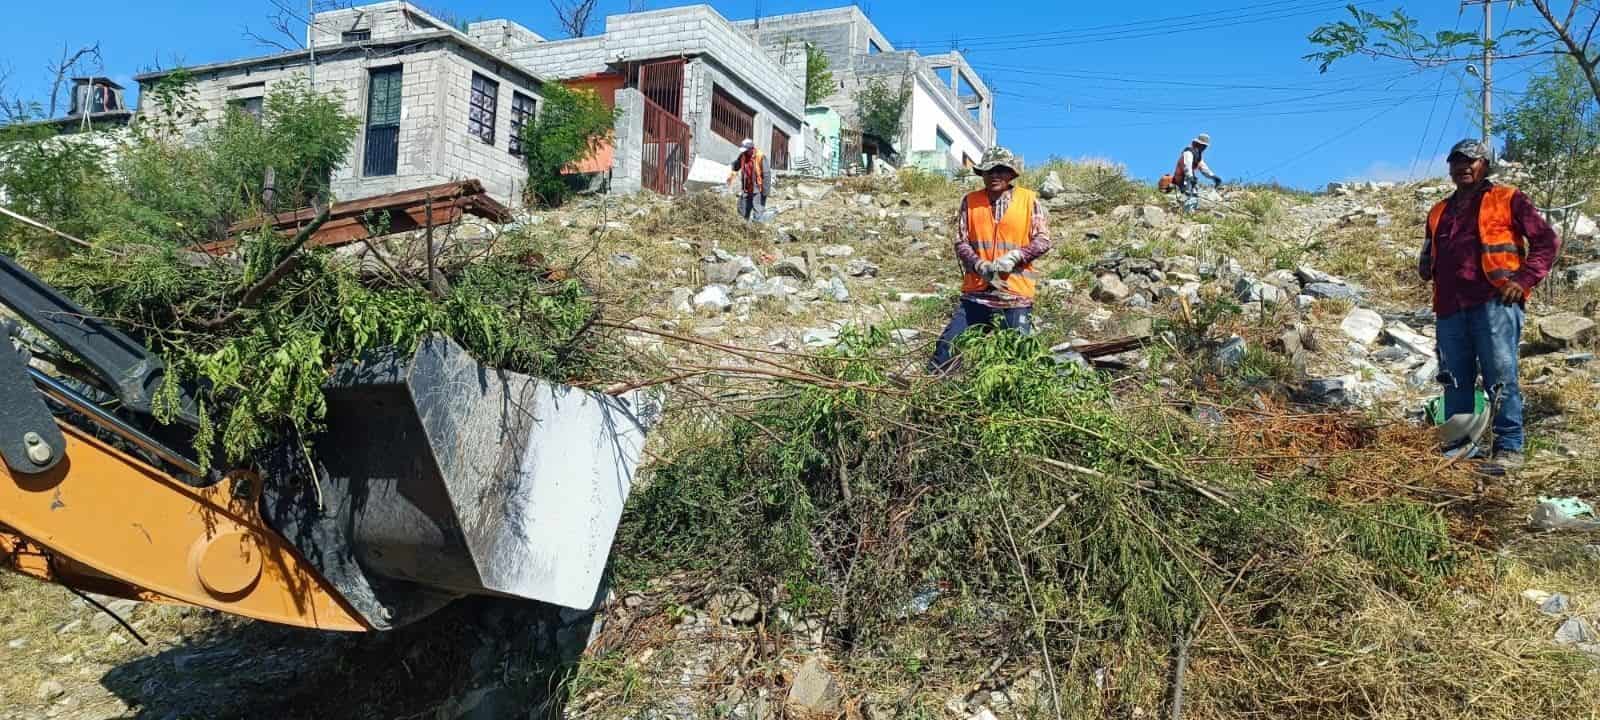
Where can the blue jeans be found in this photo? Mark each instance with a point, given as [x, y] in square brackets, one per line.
[1482, 341]
[970, 314]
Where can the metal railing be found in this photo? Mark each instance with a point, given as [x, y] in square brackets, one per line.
[665, 166]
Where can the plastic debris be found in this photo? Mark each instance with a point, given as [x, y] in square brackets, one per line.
[1576, 631]
[1568, 513]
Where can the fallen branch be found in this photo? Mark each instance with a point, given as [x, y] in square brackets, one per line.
[25, 220]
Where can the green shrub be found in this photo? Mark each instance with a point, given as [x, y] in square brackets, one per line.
[570, 127]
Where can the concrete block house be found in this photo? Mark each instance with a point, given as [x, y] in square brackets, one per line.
[439, 103]
[435, 105]
[949, 120]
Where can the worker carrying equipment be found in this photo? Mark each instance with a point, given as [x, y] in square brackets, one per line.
[1185, 176]
[443, 478]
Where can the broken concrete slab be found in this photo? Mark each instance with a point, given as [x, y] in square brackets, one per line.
[1362, 325]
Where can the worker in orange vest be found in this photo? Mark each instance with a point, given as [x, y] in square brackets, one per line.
[1486, 248]
[1191, 165]
[752, 179]
[1000, 231]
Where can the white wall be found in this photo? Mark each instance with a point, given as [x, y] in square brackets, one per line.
[927, 115]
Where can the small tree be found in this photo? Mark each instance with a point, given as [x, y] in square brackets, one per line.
[880, 108]
[1554, 131]
[819, 78]
[570, 127]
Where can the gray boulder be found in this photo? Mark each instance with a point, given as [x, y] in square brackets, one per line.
[712, 299]
[1052, 186]
[793, 266]
[1108, 288]
[1565, 330]
[1332, 291]
[815, 692]
[1580, 275]
[1362, 325]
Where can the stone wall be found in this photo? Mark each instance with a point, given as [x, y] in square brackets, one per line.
[386, 21]
[563, 59]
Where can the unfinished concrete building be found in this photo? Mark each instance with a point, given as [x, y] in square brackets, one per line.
[949, 120]
[434, 104]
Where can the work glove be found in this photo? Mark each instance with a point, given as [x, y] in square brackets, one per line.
[1216, 182]
[983, 267]
[1007, 262]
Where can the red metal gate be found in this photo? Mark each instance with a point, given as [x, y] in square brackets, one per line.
[662, 83]
[666, 150]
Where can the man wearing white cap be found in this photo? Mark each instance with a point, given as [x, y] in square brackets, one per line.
[1191, 165]
[753, 177]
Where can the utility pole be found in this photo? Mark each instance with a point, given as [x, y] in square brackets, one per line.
[311, 41]
[1487, 74]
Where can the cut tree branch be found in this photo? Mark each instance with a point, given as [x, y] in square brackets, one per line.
[573, 15]
[290, 261]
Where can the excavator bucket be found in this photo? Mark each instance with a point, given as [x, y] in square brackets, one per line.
[437, 477]
[443, 477]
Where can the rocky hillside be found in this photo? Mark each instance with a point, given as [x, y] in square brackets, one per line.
[1280, 334]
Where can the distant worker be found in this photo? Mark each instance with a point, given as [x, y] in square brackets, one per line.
[1000, 231]
[1485, 249]
[1191, 165]
[752, 176]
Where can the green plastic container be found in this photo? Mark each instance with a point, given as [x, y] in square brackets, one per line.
[1436, 407]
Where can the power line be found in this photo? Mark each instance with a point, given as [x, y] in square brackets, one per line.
[1091, 28]
[1135, 32]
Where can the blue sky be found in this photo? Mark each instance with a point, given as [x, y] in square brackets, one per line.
[1131, 83]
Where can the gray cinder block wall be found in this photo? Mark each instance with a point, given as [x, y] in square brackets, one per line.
[436, 78]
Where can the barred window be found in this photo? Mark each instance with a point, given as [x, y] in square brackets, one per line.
[351, 36]
[522, 111]
[480, 111]
[730, 119]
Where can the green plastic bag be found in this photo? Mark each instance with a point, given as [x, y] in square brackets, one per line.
[1435, 407]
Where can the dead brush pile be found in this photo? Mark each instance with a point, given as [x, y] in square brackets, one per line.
[1062, 534]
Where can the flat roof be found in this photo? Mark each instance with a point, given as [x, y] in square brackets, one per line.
[305, 54]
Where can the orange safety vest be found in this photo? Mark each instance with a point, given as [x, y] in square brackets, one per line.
[993, 237]
[1178, 172]
[1502, 246]
[755, 159]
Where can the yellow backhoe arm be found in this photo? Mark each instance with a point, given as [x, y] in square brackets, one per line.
[103, 520]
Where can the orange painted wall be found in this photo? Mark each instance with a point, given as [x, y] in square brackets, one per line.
[606, 85]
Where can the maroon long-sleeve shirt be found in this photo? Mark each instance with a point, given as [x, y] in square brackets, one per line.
[1458, 271]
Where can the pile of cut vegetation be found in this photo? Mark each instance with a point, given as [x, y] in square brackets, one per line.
[1016, 520]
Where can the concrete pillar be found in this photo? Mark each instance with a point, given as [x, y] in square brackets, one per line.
[627, 159]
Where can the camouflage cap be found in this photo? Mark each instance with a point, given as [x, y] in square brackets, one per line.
[997, 157]
[1472, 149]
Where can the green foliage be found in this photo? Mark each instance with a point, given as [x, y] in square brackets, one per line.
[1554, 131]
[928, 184]
[1014, 487]
[1394, 36]
[570, 127]
[819, 78]
[880, 108]
[156, 187]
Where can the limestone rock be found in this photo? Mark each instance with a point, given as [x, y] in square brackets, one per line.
[1332, 291]
[1150, 216]
[836, 250]
[1580, 275]
[914, 223]
[1109, 288]
[1307, 274]
[1402, 334]
[1052, 186]
[1285, 279]
[712, 299]
[793, 266]
[49, 690]
[1362, 325]
[1565, 330]
[682, 301]
[815, 692]
[1251, 290]
[861, 269]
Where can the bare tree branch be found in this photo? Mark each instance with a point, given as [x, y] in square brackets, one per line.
[64, 68]
[573, 15]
